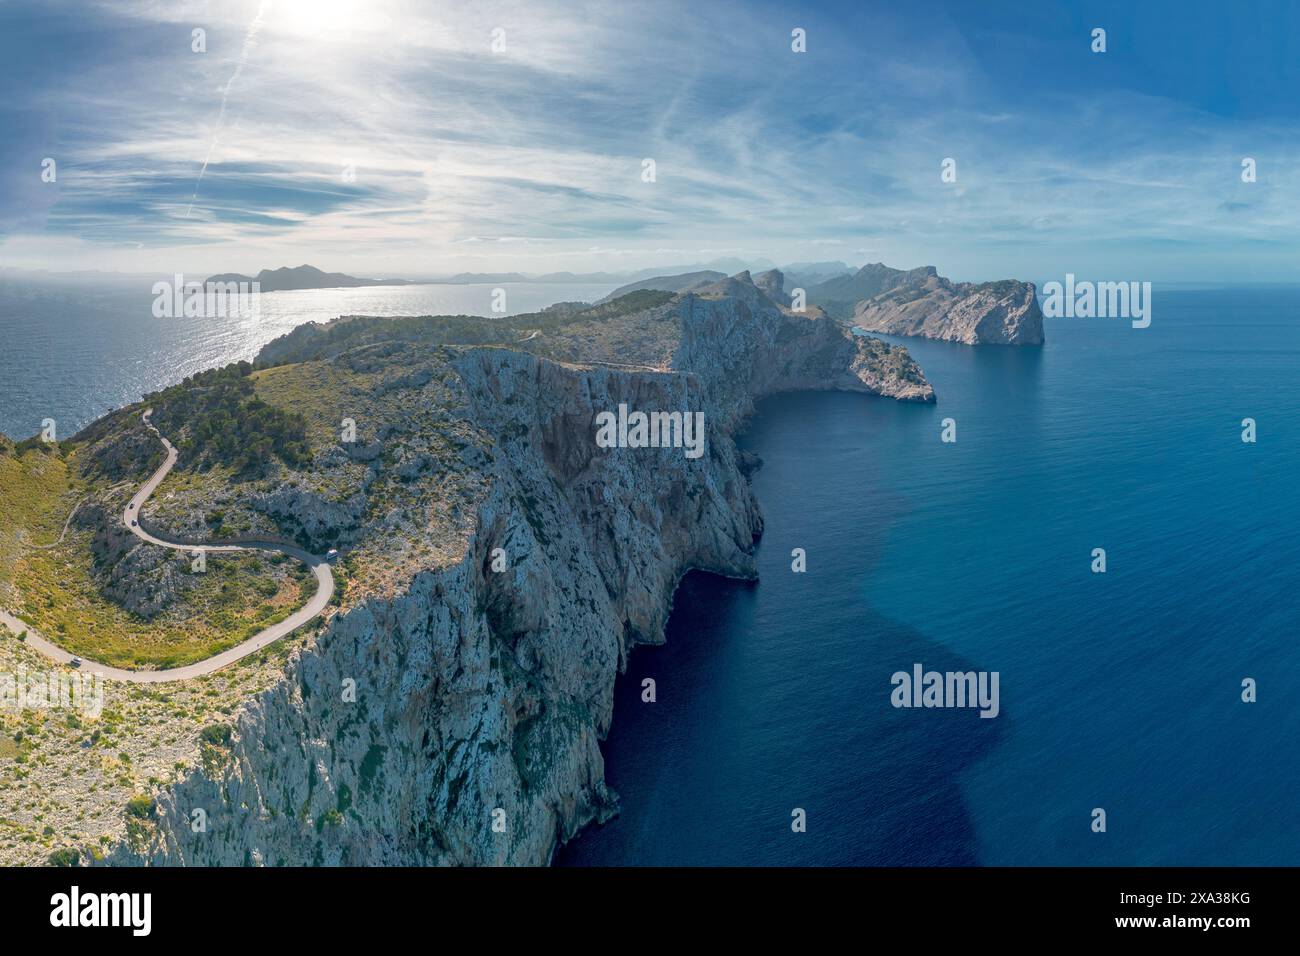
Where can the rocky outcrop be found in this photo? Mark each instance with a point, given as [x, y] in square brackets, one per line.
[140, 579]
[772, 284]
[923, 303]
[787, 351]
[457, 719]
[308, 517]
[839, 294]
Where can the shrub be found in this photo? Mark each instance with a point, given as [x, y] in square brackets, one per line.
[141, 807]
[216, 734]
[225, 422]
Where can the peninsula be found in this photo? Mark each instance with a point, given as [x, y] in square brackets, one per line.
[499, 564]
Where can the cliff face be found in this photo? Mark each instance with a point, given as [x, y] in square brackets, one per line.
[923, 303]
[839, 294]
[484, 684]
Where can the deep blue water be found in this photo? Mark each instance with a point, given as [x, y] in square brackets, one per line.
[1119, 690]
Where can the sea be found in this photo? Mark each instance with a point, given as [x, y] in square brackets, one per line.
[773, 737]
[74, 347]
[1119, 691]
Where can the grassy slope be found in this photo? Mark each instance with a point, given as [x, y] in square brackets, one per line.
[37, 491]
[54, 589]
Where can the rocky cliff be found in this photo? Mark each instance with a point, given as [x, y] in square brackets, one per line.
[921, 302]
[452, 713]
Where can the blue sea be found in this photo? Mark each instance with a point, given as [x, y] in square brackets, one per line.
[1119, 691]
[73, 347]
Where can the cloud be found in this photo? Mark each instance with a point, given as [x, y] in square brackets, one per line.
[250, 41]
[390, 132]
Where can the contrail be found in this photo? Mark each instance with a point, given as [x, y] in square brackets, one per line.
[250, 41]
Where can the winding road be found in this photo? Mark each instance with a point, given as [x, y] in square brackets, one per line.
[130, 518]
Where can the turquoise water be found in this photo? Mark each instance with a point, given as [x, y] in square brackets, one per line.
[1119, 690]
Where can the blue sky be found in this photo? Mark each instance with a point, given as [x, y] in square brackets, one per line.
[1123, 164]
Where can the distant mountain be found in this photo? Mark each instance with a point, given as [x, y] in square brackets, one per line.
[718, 267]
[728, 265]
[593, 278]
[840, 294]
[686, 282]
[301, 277]
[818, 268]
[466, 278]
[802, 275]
[922, 303]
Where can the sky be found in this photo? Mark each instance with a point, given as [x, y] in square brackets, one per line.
[397, 138]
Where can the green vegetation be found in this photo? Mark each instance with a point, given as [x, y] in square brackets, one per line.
[65, 783]
[329, 818]
[629, 304]
[215, 418]
[328, 392]
[141, 807]
[1001, 287]
[216, 734]
[37, 492]
[66, 856]
[52, 579]
[310, 341]
[237, 596]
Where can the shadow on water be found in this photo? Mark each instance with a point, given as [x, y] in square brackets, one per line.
[1120, 690]
[775, 695]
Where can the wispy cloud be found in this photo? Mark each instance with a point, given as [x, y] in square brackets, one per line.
[250, 41]
[390, 135]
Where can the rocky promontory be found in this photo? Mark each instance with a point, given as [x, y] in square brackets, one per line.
[500, 565]
[920, 302]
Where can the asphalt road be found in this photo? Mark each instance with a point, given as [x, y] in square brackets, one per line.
[130, 518]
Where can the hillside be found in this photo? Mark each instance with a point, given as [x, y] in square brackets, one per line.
[684, 282]
[498, 566]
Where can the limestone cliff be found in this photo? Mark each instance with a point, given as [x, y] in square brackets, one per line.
[484, 671]
[923, 303]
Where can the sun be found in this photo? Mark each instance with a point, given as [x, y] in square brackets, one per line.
[316, 17]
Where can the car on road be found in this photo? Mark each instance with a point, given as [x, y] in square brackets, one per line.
[332, 555]
[75, 662]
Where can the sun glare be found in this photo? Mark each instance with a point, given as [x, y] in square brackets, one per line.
[316, 17]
